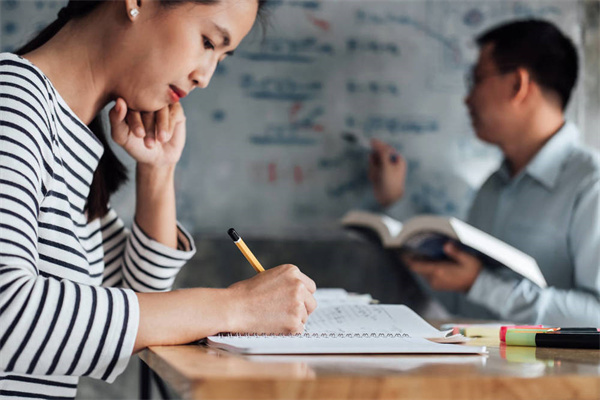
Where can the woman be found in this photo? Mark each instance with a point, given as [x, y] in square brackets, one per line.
[71, 276]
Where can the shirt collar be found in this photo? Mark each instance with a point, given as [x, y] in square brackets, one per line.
[547, 163]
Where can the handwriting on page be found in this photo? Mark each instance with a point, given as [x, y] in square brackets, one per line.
[352, 319]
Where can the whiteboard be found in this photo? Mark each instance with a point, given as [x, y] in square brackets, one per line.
[264, 152]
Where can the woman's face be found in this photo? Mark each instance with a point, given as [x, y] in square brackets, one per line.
[168, 52]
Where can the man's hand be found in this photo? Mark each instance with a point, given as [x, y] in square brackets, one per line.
[387, 172]
[457, 275]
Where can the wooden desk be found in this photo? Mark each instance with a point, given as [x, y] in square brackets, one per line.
[197, 372]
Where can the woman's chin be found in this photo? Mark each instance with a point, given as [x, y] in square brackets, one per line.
[147, 107]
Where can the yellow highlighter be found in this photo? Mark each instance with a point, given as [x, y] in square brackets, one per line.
[245, 250]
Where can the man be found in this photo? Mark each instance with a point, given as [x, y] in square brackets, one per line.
[545, 197]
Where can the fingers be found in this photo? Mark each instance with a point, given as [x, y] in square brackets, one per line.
[384, 153]
[286, 293]
[163, 130]
[432, 273]
[453, 251]
[425, 269]
[310, 303]
[303, 293]
[383, 161]
[136, 125]
[176, 126]
[176, 115]
[148, 119]
[295, 273]
[311, 286]
[119, 127]
[428, 269]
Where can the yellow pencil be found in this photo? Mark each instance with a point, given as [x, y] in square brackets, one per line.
[245, 250]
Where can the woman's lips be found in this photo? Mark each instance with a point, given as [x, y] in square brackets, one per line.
[177, 93]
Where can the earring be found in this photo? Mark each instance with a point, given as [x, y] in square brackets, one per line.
[134, 12]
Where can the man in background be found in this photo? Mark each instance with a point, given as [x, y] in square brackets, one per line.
[545, 197]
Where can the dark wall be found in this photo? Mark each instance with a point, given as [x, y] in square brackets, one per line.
[353, 263]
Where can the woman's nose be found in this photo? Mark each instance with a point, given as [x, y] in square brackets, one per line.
[201, 76]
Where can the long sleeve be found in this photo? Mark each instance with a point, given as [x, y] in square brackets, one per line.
[136, 261]
[50, 324]
[523, 301]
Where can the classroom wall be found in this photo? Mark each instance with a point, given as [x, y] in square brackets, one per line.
[264, 152]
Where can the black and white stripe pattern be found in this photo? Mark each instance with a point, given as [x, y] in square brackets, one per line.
[67, 301]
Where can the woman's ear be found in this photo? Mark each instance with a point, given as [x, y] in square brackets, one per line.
[522, 85]
[132, 7]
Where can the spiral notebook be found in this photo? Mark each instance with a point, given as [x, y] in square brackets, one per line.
[352, 329]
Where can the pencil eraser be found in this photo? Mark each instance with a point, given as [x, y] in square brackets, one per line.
[233, 234]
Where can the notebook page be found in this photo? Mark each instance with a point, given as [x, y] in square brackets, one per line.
[331, 294]
[338, 296]
[378, 319]
[301, 344]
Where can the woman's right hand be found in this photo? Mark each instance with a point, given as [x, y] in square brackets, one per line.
[278, 300]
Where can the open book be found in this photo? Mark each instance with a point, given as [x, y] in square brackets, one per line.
[425, 236]
[351, 329]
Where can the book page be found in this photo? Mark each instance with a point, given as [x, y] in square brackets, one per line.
[511, 257]
[393, 226]
[386, 227]
[377, 319]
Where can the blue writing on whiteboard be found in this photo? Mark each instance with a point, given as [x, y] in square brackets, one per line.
[355, 45]
[293, 50]
[282, 135]
[354, 185]
[279, 88]
[375, 18]
[372, 87]
[372, 125]
[294, 133]
[307, 5]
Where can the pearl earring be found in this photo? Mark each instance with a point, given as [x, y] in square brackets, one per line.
[134, 12]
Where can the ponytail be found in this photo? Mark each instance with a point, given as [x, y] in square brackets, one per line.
[110, 173]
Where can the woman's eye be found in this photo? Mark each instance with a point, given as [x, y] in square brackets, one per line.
[208, 44]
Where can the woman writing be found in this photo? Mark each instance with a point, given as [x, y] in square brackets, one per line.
[74, 283]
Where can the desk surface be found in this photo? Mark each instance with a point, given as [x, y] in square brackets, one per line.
[197, 372]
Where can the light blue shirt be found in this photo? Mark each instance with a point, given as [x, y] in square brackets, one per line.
[551, 211]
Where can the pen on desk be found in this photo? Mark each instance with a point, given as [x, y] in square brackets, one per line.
[579, 340]
[574, 330]
[245, 250]
[541, 329]
[363, 143]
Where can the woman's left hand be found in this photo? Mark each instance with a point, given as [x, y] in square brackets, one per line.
[153, 138]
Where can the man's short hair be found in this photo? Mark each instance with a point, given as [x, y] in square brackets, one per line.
[541, 48]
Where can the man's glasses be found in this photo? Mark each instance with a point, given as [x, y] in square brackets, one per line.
[472, 79]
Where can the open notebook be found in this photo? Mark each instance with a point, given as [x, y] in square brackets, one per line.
[351, 329]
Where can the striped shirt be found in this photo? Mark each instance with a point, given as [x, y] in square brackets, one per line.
[67, 301]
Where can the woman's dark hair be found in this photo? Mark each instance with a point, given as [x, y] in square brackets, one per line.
[110, 173]
[541, 48]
